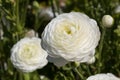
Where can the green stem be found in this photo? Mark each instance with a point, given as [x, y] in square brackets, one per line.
[15, 76]
[100, 49]
[57, 6]
[26, 76]
[24, 13]
[36, 22]
[63, 75]
[35, 76]
[53, 7]
[20, 76]
[88, 70]
[71, 73]
[79, 73]
[17, 14]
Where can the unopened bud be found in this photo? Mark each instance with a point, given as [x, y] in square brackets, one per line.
[107, 21]
[31, 33]
[36, 5]
[77, 64]
[92, 60]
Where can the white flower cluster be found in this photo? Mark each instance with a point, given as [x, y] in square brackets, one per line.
[108, 76]
[70, 37]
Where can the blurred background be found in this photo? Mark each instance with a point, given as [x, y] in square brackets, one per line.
[19, 17]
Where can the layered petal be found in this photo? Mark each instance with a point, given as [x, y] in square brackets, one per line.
[27, 55]
[72, 36]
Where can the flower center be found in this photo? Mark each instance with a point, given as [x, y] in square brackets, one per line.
[28, 51]
[66, 28]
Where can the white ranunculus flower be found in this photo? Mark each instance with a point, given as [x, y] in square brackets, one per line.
[108, 76]
[70, 37]
[107, 21]
[27, 55]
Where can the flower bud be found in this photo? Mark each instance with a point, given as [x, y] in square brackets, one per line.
[92, 60]
[107, 21]
[77, 64]
[31, 33]
[47, 13]
[36, 5]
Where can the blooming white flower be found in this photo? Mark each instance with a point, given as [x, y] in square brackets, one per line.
[108, 76]
[70, 37]
[27, 55]
[107, 21]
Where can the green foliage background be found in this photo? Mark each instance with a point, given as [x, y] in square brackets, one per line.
[18, 16]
